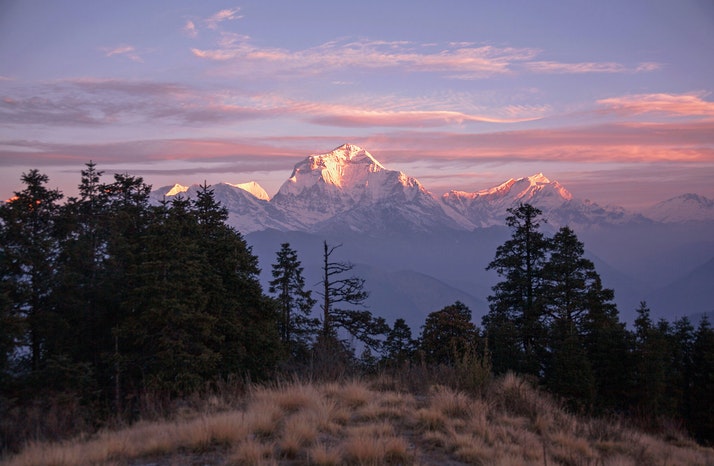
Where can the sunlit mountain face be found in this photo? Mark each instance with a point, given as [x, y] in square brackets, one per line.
[394, 227]
[349, 189]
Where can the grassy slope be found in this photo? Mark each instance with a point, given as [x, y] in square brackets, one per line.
[372, 423]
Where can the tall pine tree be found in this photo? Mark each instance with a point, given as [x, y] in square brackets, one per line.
[571, 288]
[514, 323]
[247, 319]
[295, 303]
[29, 238]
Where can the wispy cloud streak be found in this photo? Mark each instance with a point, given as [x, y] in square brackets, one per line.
[127, 51]
[223, 15]
[454, 60]
[465, 61]
[552, 67]
[91, 102]
[664, 104]
[620, 143]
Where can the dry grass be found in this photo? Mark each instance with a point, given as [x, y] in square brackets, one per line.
[355, 423]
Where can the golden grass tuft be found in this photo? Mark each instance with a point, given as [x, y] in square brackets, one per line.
[299, 431]
[321, 455]
[374, 450]
[430, 419]
[352, 394]
[252, 452]
[451, 403]
[262, 418]
[290, 397]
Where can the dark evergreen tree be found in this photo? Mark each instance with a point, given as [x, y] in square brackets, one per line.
[127, 220]
[448, 334]
[247, 319]
[11, 325]
[570, 292]
[608, 345]
[399, 347]
[569, 281]
[29, 241]
[170, 336]
[652, 362]
[702, 419]
[83, 334]
[297, 328]
[514, 324]
[568, 372]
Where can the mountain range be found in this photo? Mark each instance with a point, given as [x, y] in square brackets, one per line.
[405, 239]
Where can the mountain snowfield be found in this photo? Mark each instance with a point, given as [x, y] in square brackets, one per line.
[393, 226]
[684, 208]
[348, 189]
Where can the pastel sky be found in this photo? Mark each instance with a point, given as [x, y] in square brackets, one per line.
[611, 98]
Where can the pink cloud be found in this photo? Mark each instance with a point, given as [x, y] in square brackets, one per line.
[459, 61]
[665, 104]
[223, 15]
[586, 67]
[127, 51]
[352, 117]
[616, 143]
[190, 29]
[650, 143]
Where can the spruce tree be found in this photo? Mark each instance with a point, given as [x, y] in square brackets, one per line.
[569, 279]
[84, 333]
[295, 303]
[170, 336]
[399, 346]
[29, 238]
[651, 365]
[568, 372]
[247, 319]
[680, 377]
[570, 291]
[608, 345]
[514, 324]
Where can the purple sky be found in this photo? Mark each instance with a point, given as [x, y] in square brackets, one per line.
[611, 98]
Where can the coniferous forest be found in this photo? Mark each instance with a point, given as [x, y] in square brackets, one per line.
[107, 301]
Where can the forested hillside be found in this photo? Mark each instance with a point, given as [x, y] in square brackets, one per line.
[107, 301]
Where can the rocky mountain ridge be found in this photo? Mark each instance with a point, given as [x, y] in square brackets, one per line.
[347, 189]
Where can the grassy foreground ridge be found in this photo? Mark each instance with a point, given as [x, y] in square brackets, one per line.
[373, 423]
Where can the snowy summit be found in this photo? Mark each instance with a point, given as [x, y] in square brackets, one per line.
[348, 189]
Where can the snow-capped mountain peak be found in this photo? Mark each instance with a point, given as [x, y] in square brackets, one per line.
[488, 206]
[254, 188]
[687, 207]
[538, 178]
[344, 166]
[539, 184]
[176, 189]
[348, 189]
